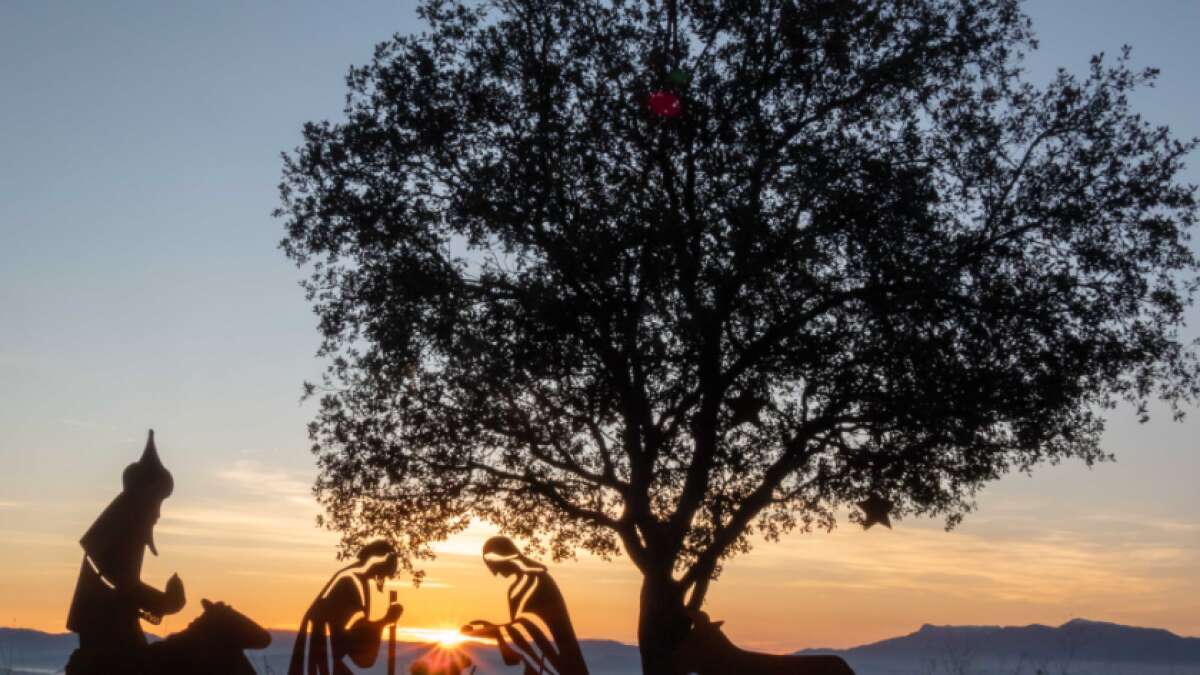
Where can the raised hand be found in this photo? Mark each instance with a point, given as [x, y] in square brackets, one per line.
[174, 596]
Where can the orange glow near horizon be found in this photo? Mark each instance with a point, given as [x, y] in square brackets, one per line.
[1025, 557]
[1008, 567]
[446, 637]
[142, 286]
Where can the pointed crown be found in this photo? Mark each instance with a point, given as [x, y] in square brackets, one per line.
[148, 475]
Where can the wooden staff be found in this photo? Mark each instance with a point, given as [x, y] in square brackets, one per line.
[392, 638]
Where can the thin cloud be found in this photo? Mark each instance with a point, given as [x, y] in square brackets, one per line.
[30, 539]
[253, 476]
[86, 425]
[426, 583]
[1142, 523]
[241, 525]
[278, 576]
[240, 517]
[1044, 569]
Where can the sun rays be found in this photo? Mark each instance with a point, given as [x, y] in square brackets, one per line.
[442, 636]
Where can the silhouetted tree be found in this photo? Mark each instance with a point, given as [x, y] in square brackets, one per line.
[660, 278]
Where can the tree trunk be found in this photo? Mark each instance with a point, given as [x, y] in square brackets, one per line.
[662, 623]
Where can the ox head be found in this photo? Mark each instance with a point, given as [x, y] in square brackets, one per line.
[235, 629]
[704, 628]
[703, 646]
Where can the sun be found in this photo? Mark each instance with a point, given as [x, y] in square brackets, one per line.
[445, 637]
[448, 638]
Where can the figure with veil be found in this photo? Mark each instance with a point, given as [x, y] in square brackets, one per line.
[338, 624]
[539, 634]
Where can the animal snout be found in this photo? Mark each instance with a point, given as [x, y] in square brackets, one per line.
[260, 639]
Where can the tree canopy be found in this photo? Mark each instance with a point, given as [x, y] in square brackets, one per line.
[857, 257]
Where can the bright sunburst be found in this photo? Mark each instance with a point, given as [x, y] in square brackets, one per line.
[446, 637]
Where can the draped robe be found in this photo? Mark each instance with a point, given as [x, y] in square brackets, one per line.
[328, 634]
[540, 635]
[110, 598]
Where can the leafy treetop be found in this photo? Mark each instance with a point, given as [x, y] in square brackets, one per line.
[865, 259]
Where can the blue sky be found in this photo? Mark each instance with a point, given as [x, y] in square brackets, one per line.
[141, 286]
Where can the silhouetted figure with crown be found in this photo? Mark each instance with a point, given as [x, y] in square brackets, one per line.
[110, 597]
[338, 624]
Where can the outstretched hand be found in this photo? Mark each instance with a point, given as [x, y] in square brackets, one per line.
[479, 628]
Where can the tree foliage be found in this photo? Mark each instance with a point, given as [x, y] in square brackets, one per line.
[866, 258]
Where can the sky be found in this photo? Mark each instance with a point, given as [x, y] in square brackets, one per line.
[141, 287]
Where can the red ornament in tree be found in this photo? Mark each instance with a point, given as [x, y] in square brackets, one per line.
[665, 103]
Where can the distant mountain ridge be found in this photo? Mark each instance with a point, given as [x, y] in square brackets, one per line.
[1078, 639]
[29, 652]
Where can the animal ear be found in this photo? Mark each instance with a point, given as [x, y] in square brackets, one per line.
[205, 604]
[717, 624]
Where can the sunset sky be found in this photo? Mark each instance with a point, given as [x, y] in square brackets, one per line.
[140, 286]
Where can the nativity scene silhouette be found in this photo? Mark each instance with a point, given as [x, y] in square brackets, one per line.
[213, 644]
[338, 624]
[706, 651]
[539, 635]
[111, 601]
